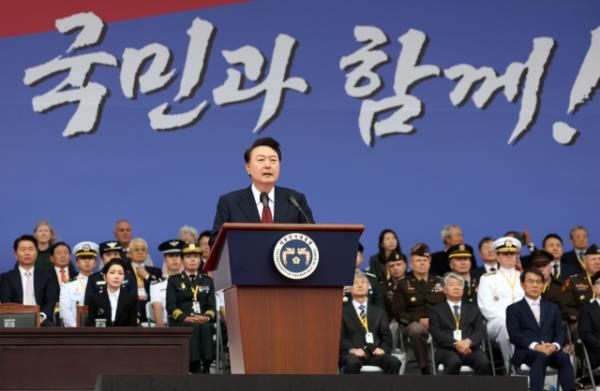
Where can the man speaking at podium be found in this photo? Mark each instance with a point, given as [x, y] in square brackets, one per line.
[262, 201]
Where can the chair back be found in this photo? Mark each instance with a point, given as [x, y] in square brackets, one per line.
[82, 315]
[19, 315]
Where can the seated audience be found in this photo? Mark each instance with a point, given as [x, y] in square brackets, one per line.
[457, 329]
[96, 281]
[27, 284]
[577, 290]
[542, 261]
[561, 270]
[396, 269]
[375, 293]
[589, 323]
[144, 275]
[365, 335]
[191, 302]
[461, 259]
[60, 257]
[72, 293]
[488, 256]
[188, 234]
[171, 250]
[497, 290]
[579, 239]
[536, 330]
[388, 242]
[418, 292]
[112, 305]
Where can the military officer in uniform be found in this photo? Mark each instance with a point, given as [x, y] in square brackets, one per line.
[191, 302]
[416, 293]
[375, 295]
[97, 281]
[541, 260]
[577, 289]
[499, 289]
[460, 257]
[72, 293]
[171, 250]
[396, 270]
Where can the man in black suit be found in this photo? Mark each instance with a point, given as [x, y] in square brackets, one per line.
[560, 270]
[262, 201]
[488, 257]
[144, 275]
[365, 338]
[535, 329]
[457, 329]
[589, 323]
[579, 239]
[25, 284]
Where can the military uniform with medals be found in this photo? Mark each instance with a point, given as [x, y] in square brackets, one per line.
[497, 290]
[576, 291]
[411, 302]
[193, 294]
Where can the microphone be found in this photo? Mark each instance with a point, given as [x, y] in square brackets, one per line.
[295, 202]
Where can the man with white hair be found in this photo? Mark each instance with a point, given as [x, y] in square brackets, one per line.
[144, 275]
[498, 290]
[451, 235]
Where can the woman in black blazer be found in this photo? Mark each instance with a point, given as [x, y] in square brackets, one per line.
[113, 306]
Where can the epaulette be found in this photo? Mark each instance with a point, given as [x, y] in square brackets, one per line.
[489, 273]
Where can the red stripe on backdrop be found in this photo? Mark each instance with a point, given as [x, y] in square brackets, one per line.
[35, 16]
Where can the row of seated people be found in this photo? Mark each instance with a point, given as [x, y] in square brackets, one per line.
[86, 253]
[407, 298]
[457, 329]
[119, 293]
[564, 263]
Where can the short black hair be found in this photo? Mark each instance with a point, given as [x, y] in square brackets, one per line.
[263, 141]
[531, 270]
[113, 261]
[24, 238]
[204, 233]
[550, 236]
[484, 240]
[58, 244]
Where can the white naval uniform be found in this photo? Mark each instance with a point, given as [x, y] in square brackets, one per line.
[71, 295]
[498, 290]
[158, 293]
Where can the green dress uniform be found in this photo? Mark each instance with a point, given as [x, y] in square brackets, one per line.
[414, 297]
[552, 291]
[576, 291]
[183, 292]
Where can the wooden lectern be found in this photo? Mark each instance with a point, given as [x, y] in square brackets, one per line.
[275, 324]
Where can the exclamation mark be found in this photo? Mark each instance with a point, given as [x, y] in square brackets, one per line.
[586, 83]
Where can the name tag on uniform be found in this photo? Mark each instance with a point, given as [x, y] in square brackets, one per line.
[196, 307]
[369, 338]
[458, 335]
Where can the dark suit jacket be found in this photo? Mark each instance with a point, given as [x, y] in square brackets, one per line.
[589, 330]
[99, 308]
[96, 283]
[45, 288]
[442, 325]
[570, 258]
[523, 329]
[239, 206]
[353, 333]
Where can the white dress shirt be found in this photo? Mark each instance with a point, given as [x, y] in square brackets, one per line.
[114, 301]
[24, 277]
[536, 307]
[259, 205]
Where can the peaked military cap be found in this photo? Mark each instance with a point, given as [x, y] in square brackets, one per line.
[173, 246]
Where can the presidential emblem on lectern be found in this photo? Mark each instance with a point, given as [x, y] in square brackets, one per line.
[296, 256]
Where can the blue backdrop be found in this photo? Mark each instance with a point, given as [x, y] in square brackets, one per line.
[457, 166]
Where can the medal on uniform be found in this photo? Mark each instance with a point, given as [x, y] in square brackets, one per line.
[369, 338]
[457, 335]
[196, 307]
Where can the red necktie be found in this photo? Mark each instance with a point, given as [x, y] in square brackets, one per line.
[63, 275]
[267, 217]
